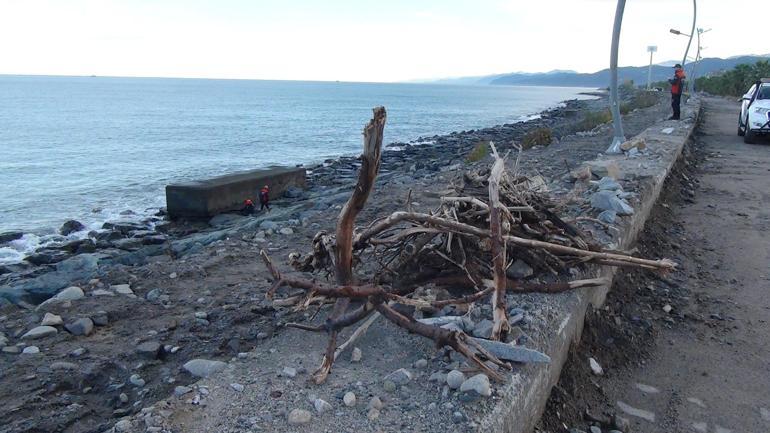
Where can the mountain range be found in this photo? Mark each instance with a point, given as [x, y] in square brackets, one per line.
[566, 78]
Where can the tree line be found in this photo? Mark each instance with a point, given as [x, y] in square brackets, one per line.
[736, 81]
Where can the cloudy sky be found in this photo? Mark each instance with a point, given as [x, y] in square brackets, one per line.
[352, 40]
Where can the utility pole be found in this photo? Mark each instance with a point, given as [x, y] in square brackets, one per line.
[650, 49]
[692, 32]
[618, 137]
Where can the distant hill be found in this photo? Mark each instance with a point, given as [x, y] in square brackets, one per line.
[601, 78]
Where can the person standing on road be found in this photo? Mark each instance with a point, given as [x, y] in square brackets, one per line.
[264, 198]
[677, 86]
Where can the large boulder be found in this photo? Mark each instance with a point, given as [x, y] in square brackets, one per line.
[70, 227]
[203, 367]
[47, 256]
[9, 236]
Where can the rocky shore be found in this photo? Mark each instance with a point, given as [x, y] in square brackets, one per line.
[102, 327]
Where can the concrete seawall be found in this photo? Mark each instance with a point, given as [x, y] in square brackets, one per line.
[206, 198]
[523, 400]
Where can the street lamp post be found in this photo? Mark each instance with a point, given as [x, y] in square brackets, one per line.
[618, 137]
[650, 49]
[698, 56]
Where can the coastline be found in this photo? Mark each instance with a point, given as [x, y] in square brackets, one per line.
[45, 245]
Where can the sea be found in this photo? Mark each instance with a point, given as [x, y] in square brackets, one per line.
[99, 149]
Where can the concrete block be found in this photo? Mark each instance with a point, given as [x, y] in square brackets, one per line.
[209, 197]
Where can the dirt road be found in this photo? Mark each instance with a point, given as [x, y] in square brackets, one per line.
[704, 364]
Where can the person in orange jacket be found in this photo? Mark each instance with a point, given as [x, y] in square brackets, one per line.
[264, 198]
[248, 207]
[677, 86]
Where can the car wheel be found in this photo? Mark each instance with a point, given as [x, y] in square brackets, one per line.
[741, 128]
[748, 136]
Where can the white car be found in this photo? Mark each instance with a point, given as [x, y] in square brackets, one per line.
[754, 118]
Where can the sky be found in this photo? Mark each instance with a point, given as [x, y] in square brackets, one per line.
[353, 40]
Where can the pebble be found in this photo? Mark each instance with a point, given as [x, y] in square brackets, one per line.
[71, 293]
[51, 320]
[595, 367]
[102, 292]
[401, 376]
[376, 403]
[78, 352]
[355, 356]
[455, 379]
[153, 295]
[31, 350]
[201, 315]
[39, 332]
[100, 318]
[299, 416]
[122, 289]
[286, 231]
[389, 386]
[438, 377]
[182, 390]
[11, 349]
[172, 275]
[203, 367]
[63, 365]
[237, 387]
[373, 414]
[458, 417]
[321, 405]
[478, 384]
[667, 308]
[150, 349]
[421, 363]
[83, 326]
[136, 380]
[289, 372]
[349, 399]
[594, 429]
[123, 398]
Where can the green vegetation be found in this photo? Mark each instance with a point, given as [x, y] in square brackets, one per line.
[479, 152]
[537, 137]
[642, 99]
[736, 81]
[594, 119]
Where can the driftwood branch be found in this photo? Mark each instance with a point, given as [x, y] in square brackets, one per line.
[499, 315]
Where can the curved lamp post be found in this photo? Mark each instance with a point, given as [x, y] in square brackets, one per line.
[618, 137]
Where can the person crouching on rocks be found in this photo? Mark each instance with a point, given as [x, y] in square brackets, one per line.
[248, 207]
[264, 198]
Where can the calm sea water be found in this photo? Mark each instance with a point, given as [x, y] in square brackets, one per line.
[89, 148]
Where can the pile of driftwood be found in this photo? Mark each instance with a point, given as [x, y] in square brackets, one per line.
[465, 246]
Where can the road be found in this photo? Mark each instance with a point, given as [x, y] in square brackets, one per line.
[708, 370]
[717, 379]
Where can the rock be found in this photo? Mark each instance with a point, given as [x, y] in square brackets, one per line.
[355, 355]
[321, 405]
[39, 332]
[519, 270]
[421, 363]
[299, 416]
[31, 350]
[102, 292]
[667, 308]
[201, 315]
[455, 379]
[149, 349]
[373, 414]
[11, 349]
[289, 372]
[634, 143]
[608, 216]
[349, 399]
[477, 385]
[47, 256]
[458, 417]
[136, 380]
[123, 397]
[483, 329]
[604, 168]
[389, 386]
[286, 231]
[70, 227]
[203, 367]
[581, 174]
[595, 367]
[438, 377]
[10, 236]
[594, 429]
[82, 326]
[122, 289]
[182, 390]
[153, 295]
[51, 320]
[72, 293]
[100, 318]
[123, 426]
[78, 352]
[375, 403]
[608, 184]
[268, 225]
[62, 365]
[399, 377]
[621, 423]
[237, 387]
[608, 200]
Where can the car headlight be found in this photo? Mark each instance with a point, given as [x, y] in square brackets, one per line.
[761, 110]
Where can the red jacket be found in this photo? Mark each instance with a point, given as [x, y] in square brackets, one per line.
[676, 83]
